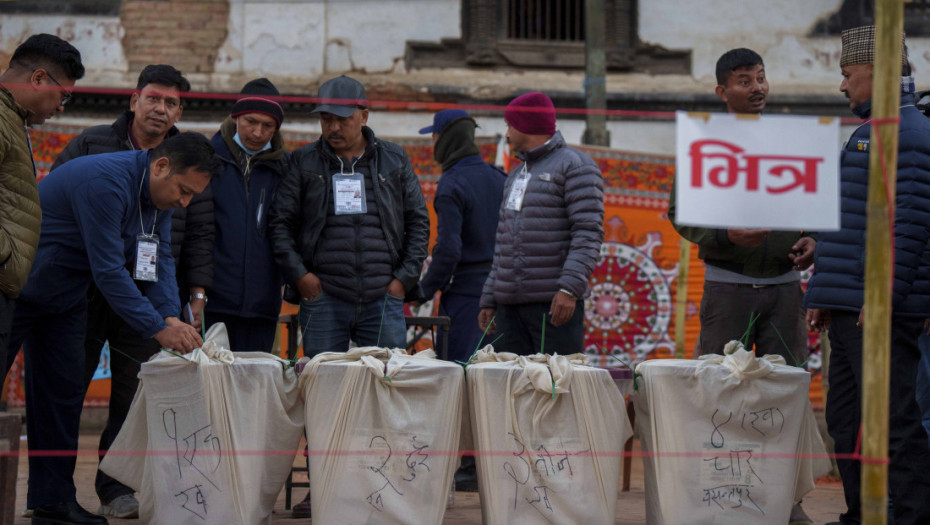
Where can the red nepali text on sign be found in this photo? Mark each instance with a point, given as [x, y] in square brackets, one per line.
[728, 161]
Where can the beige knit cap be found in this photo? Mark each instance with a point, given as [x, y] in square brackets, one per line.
[859, 46]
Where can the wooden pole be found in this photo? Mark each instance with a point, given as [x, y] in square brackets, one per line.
[595, 71]
[681, 297]
[879, 269]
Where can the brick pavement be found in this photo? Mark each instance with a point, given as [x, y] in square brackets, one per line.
[823, 504]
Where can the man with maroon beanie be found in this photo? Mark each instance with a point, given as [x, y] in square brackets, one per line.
[549, 235]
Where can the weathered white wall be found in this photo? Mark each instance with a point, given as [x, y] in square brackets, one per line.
[97, 37]
[306, 40]
[776, 29]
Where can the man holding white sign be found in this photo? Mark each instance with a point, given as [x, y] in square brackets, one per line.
[751, 274]
[835, 294]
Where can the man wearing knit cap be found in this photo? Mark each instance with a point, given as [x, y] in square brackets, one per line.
[350, 228]
[834, 295]
[549, 236]
[247, 291]
[155, 107]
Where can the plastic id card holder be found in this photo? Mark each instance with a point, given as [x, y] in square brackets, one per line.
[518, 191]
[146, 258]
[349, 193]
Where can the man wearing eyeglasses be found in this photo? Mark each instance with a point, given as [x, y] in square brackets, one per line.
[36, 86]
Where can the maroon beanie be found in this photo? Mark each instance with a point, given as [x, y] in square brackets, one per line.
[532, 113]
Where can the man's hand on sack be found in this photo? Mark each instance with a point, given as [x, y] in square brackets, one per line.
[817, 319]
[562, 308]
[802, 253]
[309, 287]
[747, 238]
[485, 316]
[178, 336]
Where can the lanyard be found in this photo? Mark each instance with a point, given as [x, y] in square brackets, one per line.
[154, 217]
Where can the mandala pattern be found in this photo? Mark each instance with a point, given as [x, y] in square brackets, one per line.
[630, 306]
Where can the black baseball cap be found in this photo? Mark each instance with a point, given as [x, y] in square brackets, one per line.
[341, 96]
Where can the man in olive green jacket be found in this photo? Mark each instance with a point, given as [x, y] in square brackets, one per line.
[36, 86]
[750, 274]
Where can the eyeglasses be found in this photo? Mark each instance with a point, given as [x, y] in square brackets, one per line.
[68, 94]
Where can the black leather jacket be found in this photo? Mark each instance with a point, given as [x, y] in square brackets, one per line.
[301, 202]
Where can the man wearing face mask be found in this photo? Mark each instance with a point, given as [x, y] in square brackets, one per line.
[106, 220]
[247, 292]
[154, 108]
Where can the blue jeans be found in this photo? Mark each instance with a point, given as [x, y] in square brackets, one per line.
[923, 380]
[328, 323]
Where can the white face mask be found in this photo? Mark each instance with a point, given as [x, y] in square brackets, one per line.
[247, 150]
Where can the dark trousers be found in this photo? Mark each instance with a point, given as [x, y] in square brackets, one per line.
[908, 451]
[246, 334]
[778, 326]
[128, 350]
[6, 325]
[464, 333]
[54, 395]
[923, 380]
[520, 328]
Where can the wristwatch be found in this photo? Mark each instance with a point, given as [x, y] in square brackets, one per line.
[199, 295]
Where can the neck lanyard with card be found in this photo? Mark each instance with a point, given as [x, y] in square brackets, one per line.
[518, 190]
[349, 191]
[146, 267]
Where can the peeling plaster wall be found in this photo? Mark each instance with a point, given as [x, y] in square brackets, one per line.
[303, 41]
[98, 39]
[776, 29]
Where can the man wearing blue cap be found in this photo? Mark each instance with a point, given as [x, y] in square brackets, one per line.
[467, 201]
[468, 198]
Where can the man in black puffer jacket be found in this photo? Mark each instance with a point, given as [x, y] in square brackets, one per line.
[350, 228]
[835, 293]
[155, 108]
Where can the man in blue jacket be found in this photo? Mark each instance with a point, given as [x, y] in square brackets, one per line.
[468, 198]
[246, 295]
[835, 293]
[155, 108]
[106, 220]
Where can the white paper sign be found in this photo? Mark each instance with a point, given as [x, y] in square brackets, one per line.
[774, 171]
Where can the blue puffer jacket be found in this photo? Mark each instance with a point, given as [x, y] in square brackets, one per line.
[246, 280]
[839, 260]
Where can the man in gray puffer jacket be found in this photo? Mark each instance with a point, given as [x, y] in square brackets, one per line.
[549, 236]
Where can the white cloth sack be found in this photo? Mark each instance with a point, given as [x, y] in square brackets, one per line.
[210, 437]
[383, 429]
[732, 437]
[550, 433]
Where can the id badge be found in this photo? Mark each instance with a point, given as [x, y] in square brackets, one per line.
[349, 194]
[518, 191]
[146, 258]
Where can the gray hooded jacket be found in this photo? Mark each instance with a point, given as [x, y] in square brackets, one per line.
[553, 242]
